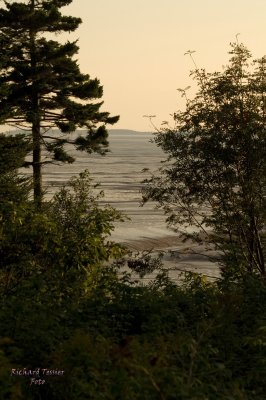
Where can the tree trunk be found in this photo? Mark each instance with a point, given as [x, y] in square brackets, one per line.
[36, 123]
[37, 166]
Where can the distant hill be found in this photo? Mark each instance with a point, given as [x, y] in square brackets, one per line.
[126, 132]
[79, 131]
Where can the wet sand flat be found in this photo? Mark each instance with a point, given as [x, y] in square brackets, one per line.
[120, 174]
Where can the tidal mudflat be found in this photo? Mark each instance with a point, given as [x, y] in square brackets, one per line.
[120, 173]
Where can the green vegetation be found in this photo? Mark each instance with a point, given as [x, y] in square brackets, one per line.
[66, 307]
[41, 86]
[214, 177]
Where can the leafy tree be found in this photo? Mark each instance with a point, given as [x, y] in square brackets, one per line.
[59, 245]
[41, 86]
[214, 179]
[83, 226]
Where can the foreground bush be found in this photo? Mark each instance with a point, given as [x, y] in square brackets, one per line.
[64, 307]
[194, 341]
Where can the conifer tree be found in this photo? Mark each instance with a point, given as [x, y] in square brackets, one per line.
[41, 86]
[14, 188]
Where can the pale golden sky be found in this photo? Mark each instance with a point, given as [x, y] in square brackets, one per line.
[136, 48]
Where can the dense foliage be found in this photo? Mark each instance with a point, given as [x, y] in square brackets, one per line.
[41, 86]
[13, 151]
[195, 341]
[67, 307]
[212, 186]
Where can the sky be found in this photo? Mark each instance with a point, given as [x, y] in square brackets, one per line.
[136, 49]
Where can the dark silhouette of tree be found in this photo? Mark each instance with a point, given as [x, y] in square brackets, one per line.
[215, 176]
[41, 86]
[14, 188]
